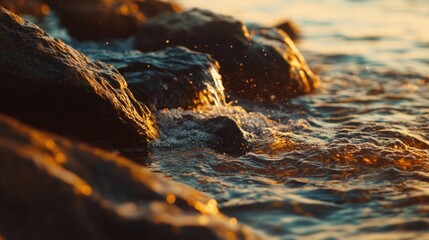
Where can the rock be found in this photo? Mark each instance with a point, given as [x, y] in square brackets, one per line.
[50, 85]
[197, 29]
[272, 68]
[290, 28]
[186, 130]
[152, 8]
[264, 65]
[32, 7]
[99, 19]
[230, 138]
[107, 19]
[52, 188]
[172, 78]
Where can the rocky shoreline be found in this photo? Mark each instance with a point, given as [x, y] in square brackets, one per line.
[56, 187]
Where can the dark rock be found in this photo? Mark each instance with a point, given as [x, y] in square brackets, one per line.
[107, 19]
[33, 7]
[197, 29]
[189, 131]
[172, 78]
[52, 188]
[290, 28]
[152, 8]
[263, 66]
[50, 85]
[272, 68]
[99, 19]
[230, 138]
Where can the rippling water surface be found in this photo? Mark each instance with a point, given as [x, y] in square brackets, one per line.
[349, 161]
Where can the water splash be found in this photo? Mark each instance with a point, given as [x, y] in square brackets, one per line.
[214, 94]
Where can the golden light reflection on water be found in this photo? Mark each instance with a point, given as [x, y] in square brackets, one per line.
[415, 159]
[367, 148]
[277, 146]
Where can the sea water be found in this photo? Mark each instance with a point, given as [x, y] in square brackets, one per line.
[350, 160]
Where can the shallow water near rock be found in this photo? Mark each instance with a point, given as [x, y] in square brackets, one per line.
[350, 160]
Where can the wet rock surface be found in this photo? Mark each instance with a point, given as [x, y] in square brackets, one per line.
[33, 7]
[229, 136]
[51, 86]
[52, 188]
[180, 130]
[264, 65]
[172, 78]
[197, 29]
[272, 68]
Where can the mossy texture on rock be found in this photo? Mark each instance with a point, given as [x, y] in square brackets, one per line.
[263, 65]
[50, 85]
[52, 188]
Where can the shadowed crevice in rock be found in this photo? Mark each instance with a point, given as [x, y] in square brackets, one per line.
[172, 78]
[52, 188]
[264, 65]
[50, 85]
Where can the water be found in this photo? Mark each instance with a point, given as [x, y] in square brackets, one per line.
[350, 160]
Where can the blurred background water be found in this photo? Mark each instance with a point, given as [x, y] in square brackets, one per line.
[350, 160]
